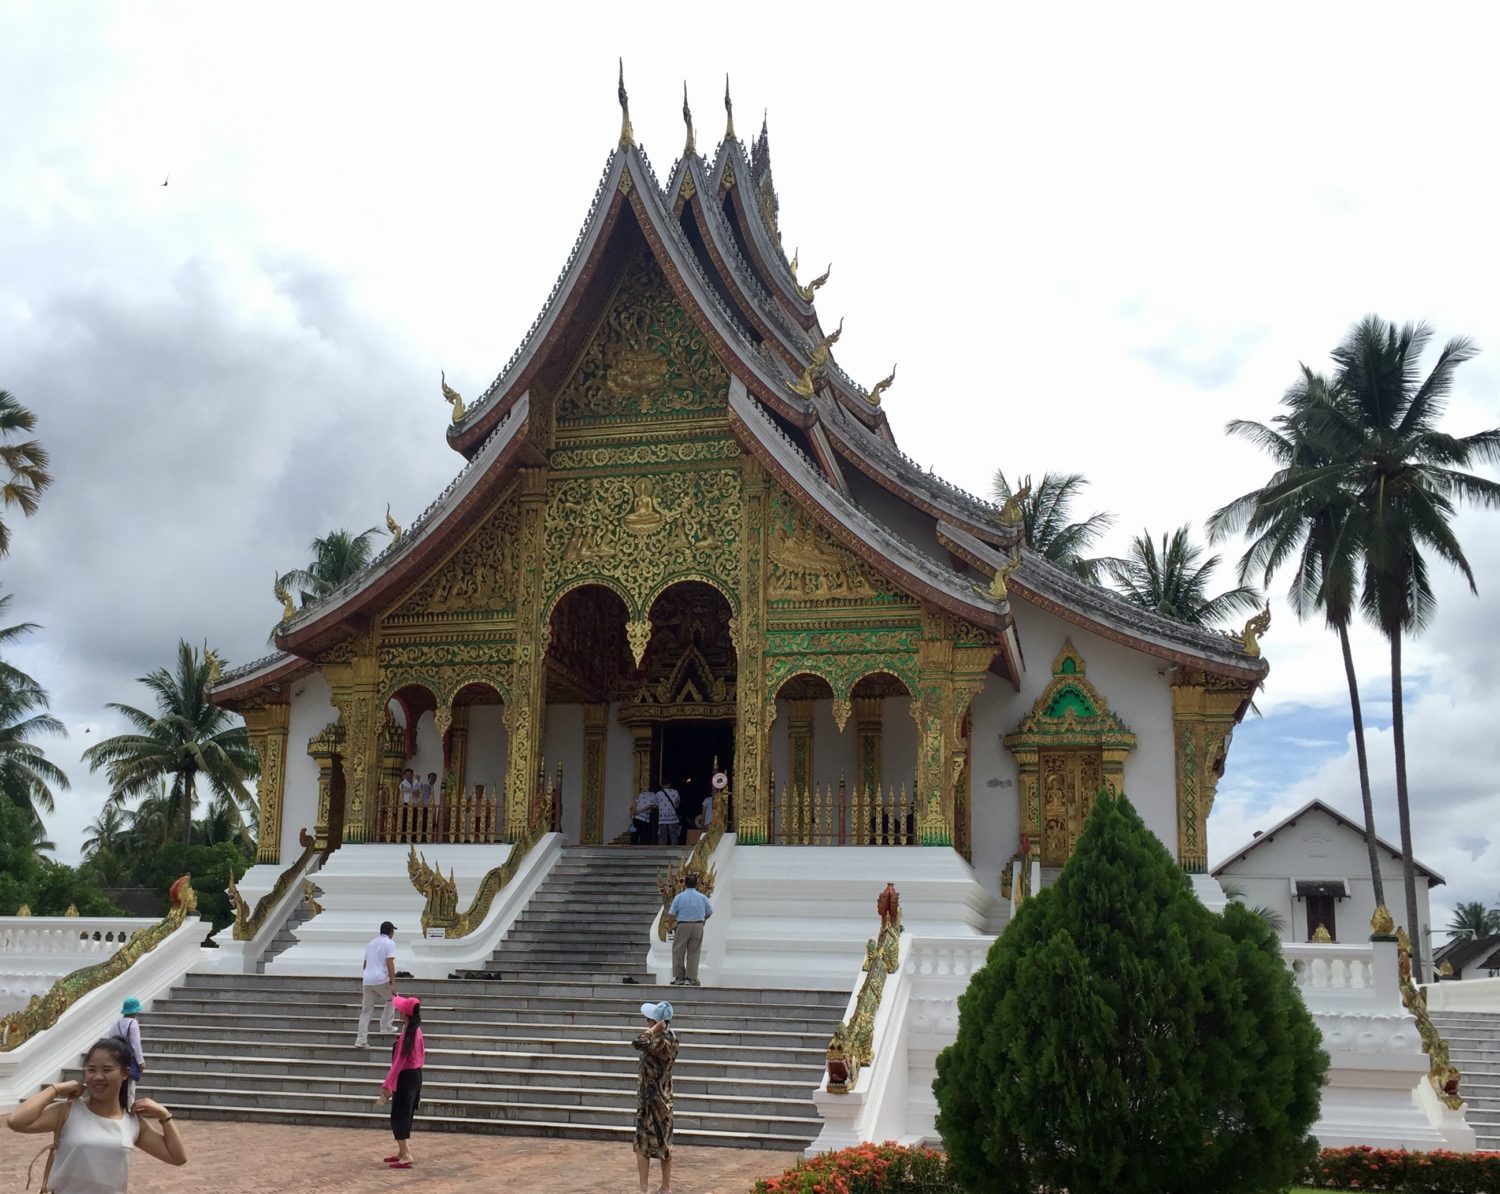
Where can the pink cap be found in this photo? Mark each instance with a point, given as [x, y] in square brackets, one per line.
[406, 1004]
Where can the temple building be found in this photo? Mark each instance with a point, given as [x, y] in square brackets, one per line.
[684, 541]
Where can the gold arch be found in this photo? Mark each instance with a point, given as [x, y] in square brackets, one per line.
[731, 597]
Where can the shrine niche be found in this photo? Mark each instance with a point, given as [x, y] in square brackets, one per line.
[1069, 748]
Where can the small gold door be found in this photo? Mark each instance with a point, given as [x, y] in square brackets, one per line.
[1070, 781]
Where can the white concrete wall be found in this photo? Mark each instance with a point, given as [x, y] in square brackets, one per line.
[312, 709]
[898, 742]
[486, 748]
[1318, 846]
[429, 756]
[619, 775]
[993, 776]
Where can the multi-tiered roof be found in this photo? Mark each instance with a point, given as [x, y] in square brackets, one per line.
[713, 231]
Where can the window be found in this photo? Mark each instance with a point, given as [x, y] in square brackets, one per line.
[1320, 911]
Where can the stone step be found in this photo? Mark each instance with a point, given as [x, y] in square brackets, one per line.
[381, 1120]
[800, 1075]
[441, 1028]
[357, 1066]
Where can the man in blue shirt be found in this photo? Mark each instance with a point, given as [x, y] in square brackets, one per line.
[690, 908]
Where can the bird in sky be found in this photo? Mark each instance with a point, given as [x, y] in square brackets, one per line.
[166, 180]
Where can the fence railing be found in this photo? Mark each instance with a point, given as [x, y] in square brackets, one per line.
[468, 818]
[837, 815]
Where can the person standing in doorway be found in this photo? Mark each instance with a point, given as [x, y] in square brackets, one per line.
[653, 1109]
[691, 909]
[408, 786]
[669, 818]
[642, 832]
[379, 986]
[402, 1088]
[429, 788]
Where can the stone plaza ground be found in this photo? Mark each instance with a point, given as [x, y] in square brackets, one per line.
[244, 1158]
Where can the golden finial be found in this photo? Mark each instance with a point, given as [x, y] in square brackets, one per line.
[452, 396]
[391, 524]
[215, 664]
[1014, 511]
[1254, 628]
[881, 386]
[793, 266]
[1403, 942]
[1446, 969]
[999, 589]
[288, 608]
[728, 111]
[811, 288]
[1322, 936]
[691, 147]
[627, 134]
[1382, 922]
[24, 910]
[817, 361]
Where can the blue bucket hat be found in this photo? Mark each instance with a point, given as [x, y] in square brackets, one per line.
[657, 1011]
[132, 1007]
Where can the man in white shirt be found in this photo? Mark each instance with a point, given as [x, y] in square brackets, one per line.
[408, 786]
[429, 788]
[379, 985]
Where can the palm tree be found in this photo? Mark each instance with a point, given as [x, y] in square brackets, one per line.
[27, 776]
[26, 463]
[150, 822]
[1473, 920]
[1045, 514]
[107, 832]
[1305, 533]
[337, 556]
[187, 738]
[1174, 582]
[1403, 479]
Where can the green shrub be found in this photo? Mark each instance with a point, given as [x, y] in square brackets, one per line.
[209, 866]
[1397, 1169]
[1123, 1038]
[865, 1169]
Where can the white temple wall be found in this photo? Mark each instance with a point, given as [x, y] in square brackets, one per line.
[1135, 685]
[898, 743]
[312, 709]
[780, 747]
[833, 752]
[562, 742]
[993, 776]
[486, 747]
[429, 753]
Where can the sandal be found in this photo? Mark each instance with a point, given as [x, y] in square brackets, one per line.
[400, 1165]
[394, 1157]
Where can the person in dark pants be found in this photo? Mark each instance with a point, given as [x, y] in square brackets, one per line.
[403, 1084]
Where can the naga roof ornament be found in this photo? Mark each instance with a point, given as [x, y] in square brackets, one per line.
[817, 362]
[881, 386]
[453, 398]
[691, 147]
[728, 111]
[812, 287]
[627, 134]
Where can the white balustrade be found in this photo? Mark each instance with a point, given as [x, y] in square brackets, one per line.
[1328, 969]
[36, 951]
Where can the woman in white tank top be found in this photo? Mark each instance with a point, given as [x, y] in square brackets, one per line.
[94, 1131]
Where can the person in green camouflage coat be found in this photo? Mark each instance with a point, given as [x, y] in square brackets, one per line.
[653, 1112]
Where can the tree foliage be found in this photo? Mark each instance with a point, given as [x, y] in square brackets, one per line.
[186, 739]
[1472, 920]
[1123, 1038]
[1174, 581]
[1047, 521]
[336, 557]
[27, 776]
[24, 465]
[48, 888]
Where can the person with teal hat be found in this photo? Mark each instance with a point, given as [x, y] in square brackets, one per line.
[653, 1112]
[128, 1029]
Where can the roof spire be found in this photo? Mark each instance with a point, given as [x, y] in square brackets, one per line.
[728, 111]
[691, 147]
[627, 134]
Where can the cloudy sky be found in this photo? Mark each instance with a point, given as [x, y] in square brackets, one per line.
[1088, 236]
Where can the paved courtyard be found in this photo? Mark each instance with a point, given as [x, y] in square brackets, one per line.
[236, 1158]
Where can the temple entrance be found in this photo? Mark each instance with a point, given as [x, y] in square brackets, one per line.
[687, 753]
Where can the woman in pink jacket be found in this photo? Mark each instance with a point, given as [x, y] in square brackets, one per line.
[402, 1087]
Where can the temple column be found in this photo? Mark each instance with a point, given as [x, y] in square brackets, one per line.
[640, 738]
[937, 733]
[869, 731]
[799, 723]
[267, 727]
[355, 692]
[595, 735]
[524, 713]
[324, 748]
[1204, 708]
[754, 710]
[393, 754]
[455, 763]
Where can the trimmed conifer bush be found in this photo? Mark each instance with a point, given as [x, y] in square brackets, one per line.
[1123, 1038]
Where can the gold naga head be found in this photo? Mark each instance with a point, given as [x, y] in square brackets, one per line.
[881, 386]
[288, 606]
[453, 398]
[1014, 511]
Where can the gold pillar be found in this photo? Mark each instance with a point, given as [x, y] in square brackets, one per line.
[324, 747]
[869, 725]
[524, 713]
[1204, 710]
[267, 727]
[392, 764]
[640, 739]
[799, 724]
[355, 686]
[595, 735]
[755, 708]
[455, 757]
[1029, 794]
